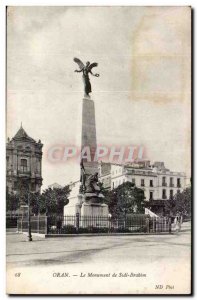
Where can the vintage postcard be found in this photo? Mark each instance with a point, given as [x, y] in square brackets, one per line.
[98, 150]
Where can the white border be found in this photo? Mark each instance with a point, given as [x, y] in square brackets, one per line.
[3, 4]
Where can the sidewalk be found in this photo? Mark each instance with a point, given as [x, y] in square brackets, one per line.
[159, 257]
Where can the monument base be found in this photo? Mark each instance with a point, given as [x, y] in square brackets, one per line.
[94, 215]
[94, 210]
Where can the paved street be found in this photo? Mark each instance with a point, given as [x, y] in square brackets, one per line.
[139, 253]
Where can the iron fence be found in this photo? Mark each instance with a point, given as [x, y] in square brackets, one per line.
[99, 224]
[11, 221]
[77, 224]
[38, 224]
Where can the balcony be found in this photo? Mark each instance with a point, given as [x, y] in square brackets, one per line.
[24, 172]
[171, 184]
[178, 185]
[164, 183]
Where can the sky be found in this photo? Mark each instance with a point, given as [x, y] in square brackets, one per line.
[142, 96]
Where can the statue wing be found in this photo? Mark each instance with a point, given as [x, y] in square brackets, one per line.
[92, 66]
[79, 62]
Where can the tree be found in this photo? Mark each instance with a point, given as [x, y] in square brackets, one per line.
[181, 204]
[53, 200]
[36, 203]
[125, 199]
[12, 202]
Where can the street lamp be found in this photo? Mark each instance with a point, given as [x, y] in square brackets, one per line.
[29, 219]
[25, 184]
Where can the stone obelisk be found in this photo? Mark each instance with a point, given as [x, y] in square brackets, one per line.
[90, 202]
[89, 199]
[88, 135]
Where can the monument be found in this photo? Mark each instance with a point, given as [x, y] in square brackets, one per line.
[89, 198]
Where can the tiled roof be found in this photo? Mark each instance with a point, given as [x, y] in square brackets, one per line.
[22, 135]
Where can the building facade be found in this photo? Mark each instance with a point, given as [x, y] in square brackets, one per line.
[159, 184]
[23, 163]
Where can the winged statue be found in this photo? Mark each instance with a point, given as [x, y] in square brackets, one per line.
[86, 69]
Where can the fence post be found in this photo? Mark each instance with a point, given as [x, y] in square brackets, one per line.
[147, 225]
[38, 225]
[17, 225]
[22, 224]
[46, 224]
[77, 222]
[153, 224]
[170, 225]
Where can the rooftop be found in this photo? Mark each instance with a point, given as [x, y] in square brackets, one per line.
[22, 135]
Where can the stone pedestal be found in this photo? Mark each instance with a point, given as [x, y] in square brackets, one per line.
[94, 209]
[94, 215]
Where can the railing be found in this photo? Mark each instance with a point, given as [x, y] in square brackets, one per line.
[98, 224]
[38, 224]
[95, 224]
[11, 221]
[164, 183]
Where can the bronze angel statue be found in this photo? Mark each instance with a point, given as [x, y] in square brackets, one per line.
[86, 69]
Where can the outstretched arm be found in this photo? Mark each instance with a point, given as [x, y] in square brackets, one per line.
[78, 71]
[97, 75]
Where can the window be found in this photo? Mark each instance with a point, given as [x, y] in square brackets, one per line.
[23, 165]
[171, 182]
[33, 187]
[171, 194]
[178, 182]
[133, 180]
[163, 194]
[151, 195]
[142, 182]
[113, 185]
[15, 185]
[151, 182]
[164, 181]
[7, 160]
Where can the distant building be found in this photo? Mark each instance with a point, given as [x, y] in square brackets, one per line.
[159, 184]
[23, 163]
[55, 185]
[105, 175]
